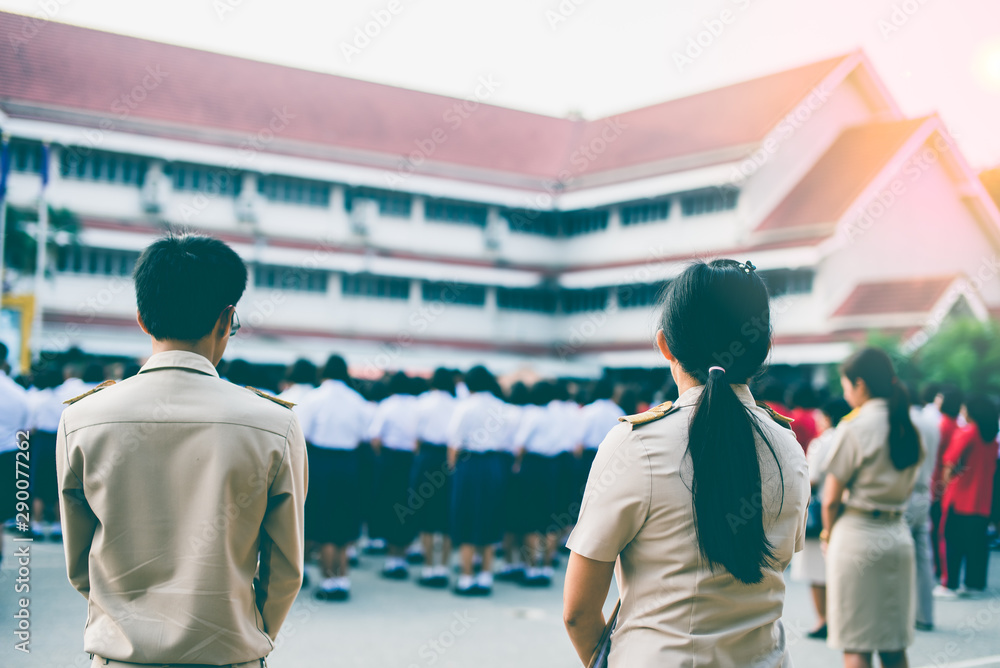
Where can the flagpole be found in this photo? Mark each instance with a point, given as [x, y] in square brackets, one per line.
[4, 170]
[41, 242]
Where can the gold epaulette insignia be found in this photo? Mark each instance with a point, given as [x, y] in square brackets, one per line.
[651, 415]
[107, 383]
[850, 416]
[782, 420]
[280, 402]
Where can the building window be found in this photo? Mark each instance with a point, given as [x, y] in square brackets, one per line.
[637, 295]
[540, 300]
[205, 179]
[25, 156]
[390, 202]
[584, 221]
[710, 200]
[575, 301]
[530, 221]
[376, 287]
[788, 281]
[89, 165]
[96, 261]
[291, 190]
[290, 278]
[645, 212]
[452, 211]
[454, 293]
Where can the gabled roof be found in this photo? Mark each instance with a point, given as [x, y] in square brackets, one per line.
[75, 75]
[913, 295]
[839, 177]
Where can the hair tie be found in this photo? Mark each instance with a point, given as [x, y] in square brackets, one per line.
[747, 267]
[711, 369]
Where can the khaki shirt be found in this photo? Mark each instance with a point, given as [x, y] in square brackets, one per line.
[638, 509]
[860, 459]
[182, 500]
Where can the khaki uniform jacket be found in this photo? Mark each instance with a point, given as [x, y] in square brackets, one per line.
[638, 510]
[182, 502]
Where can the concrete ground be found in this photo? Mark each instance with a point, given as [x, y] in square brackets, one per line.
[399, 625]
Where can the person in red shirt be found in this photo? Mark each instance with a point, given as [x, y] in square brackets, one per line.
[803, 402]
[949, 403]
[969, 464]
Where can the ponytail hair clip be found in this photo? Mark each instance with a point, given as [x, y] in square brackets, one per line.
[747, 267]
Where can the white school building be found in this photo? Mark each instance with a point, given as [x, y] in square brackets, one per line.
[408, 230]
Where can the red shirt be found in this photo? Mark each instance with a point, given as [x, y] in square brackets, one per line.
[948, 427]
[970, 491]
[804, 426]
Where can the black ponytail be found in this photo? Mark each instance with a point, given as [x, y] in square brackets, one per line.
[716, 320]
[873, 366]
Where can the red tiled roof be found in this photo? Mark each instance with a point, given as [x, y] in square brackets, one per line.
[841, 174]
[64, 70]
[915, 295]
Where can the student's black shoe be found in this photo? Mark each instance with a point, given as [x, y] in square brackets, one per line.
[481, 590]
[397, 573]
[434, 581]
[537, 581]
[509, 575]
[818, 634]
[332, 594]
[466, 591]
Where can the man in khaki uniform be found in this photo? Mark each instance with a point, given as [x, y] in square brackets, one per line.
[182, 494]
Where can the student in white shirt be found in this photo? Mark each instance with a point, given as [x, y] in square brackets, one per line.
[300, 381]
[393, 437]
[481, 431]
[334, 422]
[598, 417]
[430, 480]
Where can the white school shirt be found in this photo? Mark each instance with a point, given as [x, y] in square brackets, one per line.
[482, 423]
[395, 422]
[296, 393]
[48, 411]
[529, 429]
[559, 430]
[14, 413]
[599, 417]
[434, 411]
[334, 416]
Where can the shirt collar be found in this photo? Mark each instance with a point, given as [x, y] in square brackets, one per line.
[690, 396]
[180, 359]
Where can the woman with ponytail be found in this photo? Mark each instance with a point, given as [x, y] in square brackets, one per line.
[695, 507]
[870, 559]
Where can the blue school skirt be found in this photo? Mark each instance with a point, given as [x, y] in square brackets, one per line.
[538, 493]
[430, 481]
[391, 514]
[333, 504]
[477, 498]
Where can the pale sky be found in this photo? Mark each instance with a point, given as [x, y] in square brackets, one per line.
[594, 57]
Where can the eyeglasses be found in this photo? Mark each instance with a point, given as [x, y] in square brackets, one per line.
[234, 326]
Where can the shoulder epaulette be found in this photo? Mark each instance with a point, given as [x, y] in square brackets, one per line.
[850, 416]
[651, 415]
[259, 393]
[782, 420]
[107, 383]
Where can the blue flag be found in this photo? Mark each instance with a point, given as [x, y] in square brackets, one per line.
[4, 167]
[45, 165]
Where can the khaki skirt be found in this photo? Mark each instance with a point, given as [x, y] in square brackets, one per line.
[871, 571]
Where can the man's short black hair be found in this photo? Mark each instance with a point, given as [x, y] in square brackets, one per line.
[184, 282]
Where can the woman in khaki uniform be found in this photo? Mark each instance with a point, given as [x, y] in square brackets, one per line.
[870, 559]
[696, 507]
